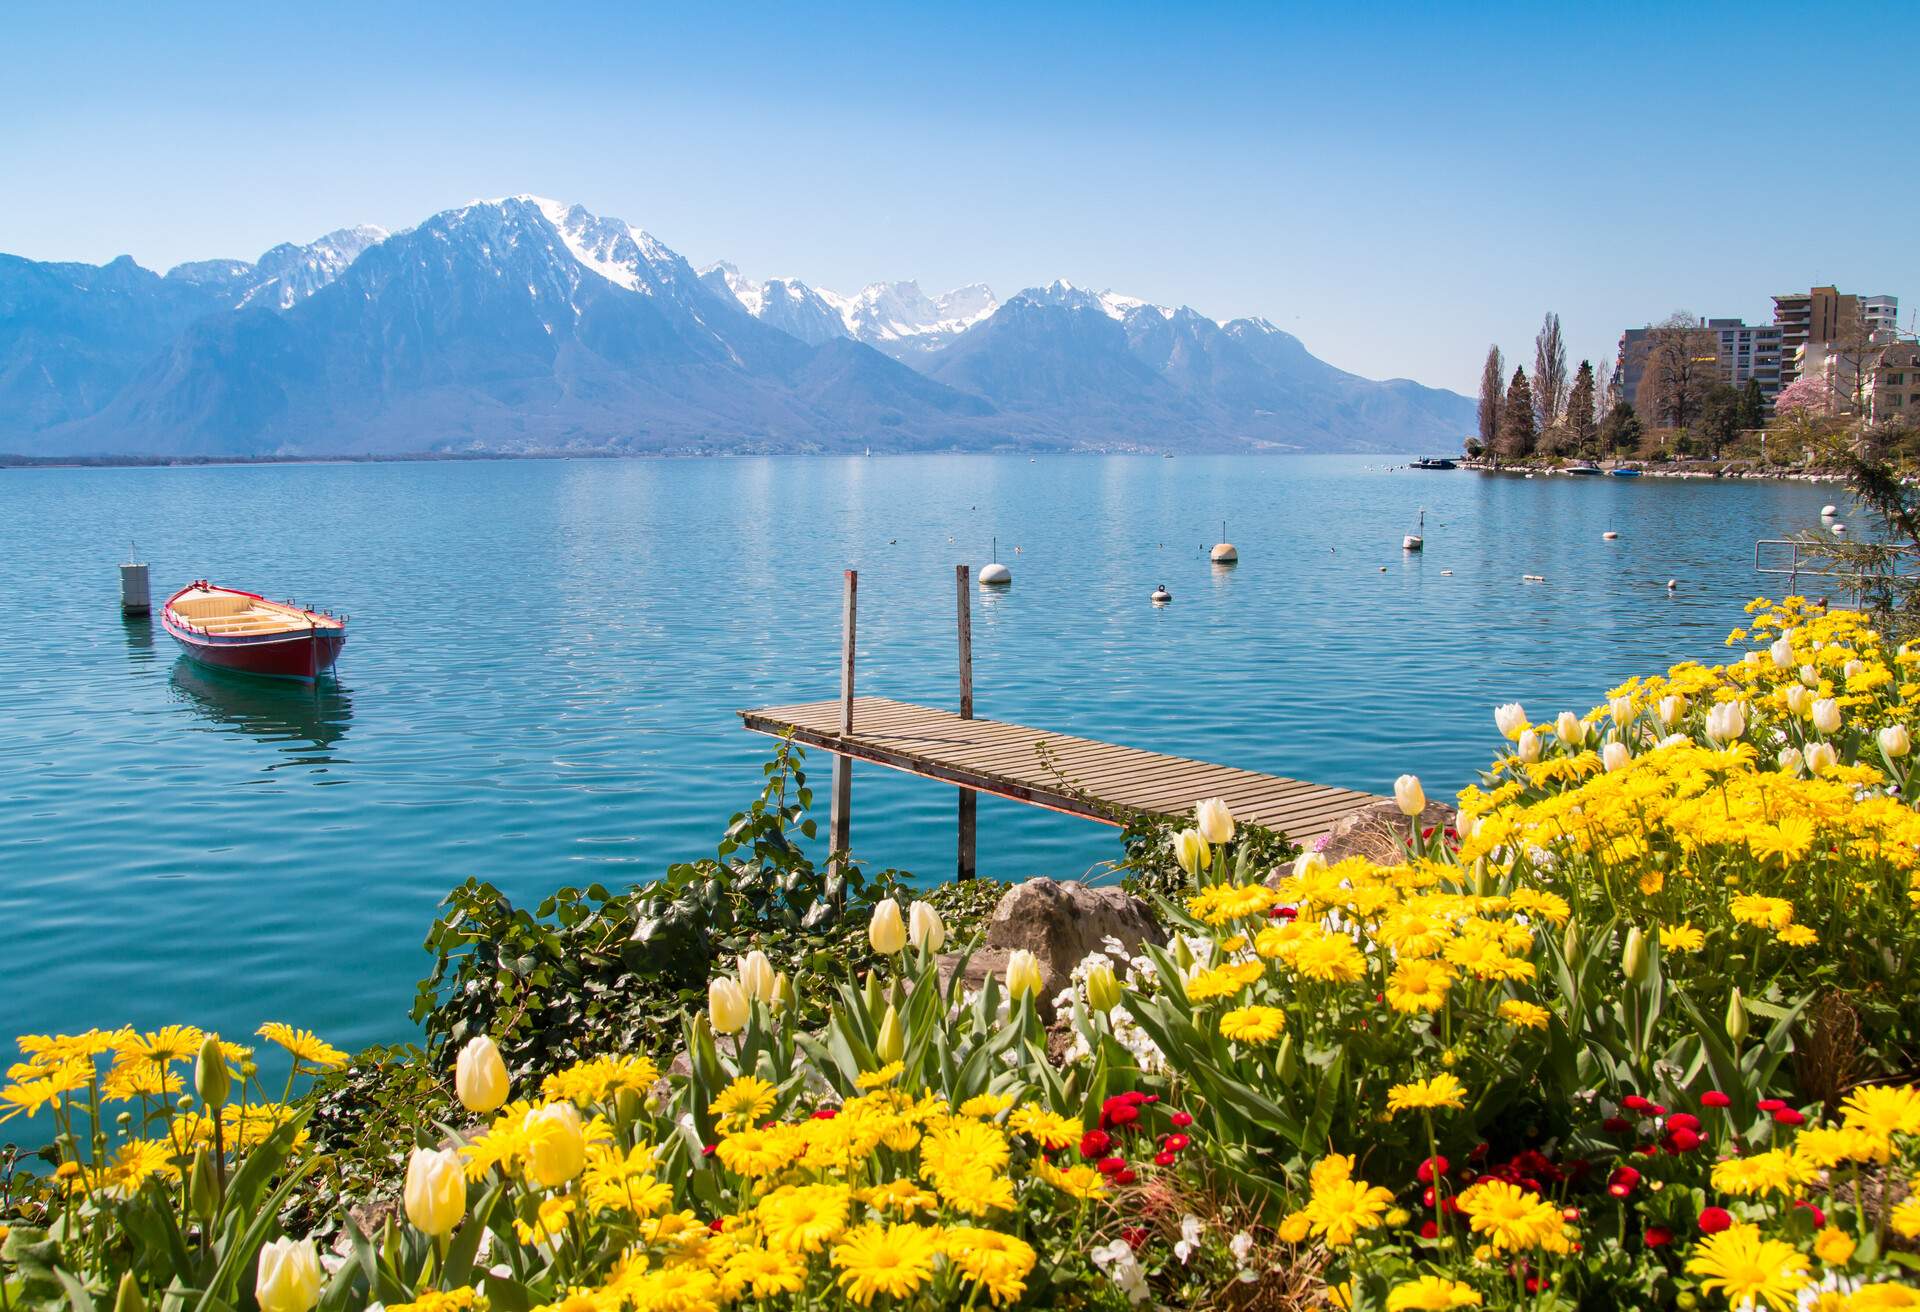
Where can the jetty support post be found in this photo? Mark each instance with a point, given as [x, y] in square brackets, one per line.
[969, 800]
[840, 816]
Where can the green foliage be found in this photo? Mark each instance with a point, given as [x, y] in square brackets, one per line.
[1149, 869]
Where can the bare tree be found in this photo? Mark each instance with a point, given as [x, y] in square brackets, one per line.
[1682, 368]
[1549, 373]
[1606, 391]
[1492, 395]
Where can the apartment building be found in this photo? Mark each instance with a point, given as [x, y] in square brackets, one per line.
[1822, 316]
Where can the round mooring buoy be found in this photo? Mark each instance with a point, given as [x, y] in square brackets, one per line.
[1224, 554]
[1839, 529]
[1829, 510]
[1161, 596]
[1608, 536]
[1673, 585]
[995, 575]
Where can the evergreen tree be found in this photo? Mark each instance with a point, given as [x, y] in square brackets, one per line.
[1621, 431]
[1549, 373]
[1580, 411]
[1491, 377]
[1517, 433]
[1753, 405]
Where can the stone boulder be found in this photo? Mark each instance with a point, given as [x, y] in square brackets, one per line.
[1060, 922]
[1379, 833]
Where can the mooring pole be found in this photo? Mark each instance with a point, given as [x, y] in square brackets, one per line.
[968, 798]
[840, 817]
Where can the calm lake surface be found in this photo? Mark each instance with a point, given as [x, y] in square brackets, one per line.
[546, 657]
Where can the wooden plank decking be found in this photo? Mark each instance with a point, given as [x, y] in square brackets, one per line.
[1076, 775]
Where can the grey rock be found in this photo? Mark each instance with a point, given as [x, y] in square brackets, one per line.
[1379, 833]
[1060, 922]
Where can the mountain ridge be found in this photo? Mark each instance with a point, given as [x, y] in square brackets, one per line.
[527, 324]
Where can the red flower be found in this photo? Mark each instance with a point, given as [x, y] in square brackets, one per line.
[1647, 1149]
[1569, 1214]
[1135, 1235]
[1788, 1116]
[706, 1149]
[1173, 1143]
[1283, 913]
[1616, 1125]
[826, 1113]
[1819, 1217]
[1622, 1181]
[1683, 1121]
[1682, 1140]
[1119, 1116]
[1715, 1098]
[1181, 1120]
[1431, 1167]
[1633, 1102]
[1112, 1165]
[1094, 1143]
[1164, 1159]
[1714, 1219]
[1770, 1104]
[1426, 1196]
[1480, 1150]
[1428, 1230]
[1658, 1236]
[1125, 1177]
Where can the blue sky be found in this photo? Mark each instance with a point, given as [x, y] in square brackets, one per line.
[1398, 186]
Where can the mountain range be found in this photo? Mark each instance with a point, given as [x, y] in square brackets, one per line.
[527, 325]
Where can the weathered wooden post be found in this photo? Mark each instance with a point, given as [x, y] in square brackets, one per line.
[840, 817]
[968, 798]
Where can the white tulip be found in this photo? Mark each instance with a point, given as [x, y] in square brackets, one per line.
[1614, 756]
[1620, 710]
[1810, 676]
[756, 976]
[1190, 850]
[1726, 721]
[886, 931]
[480, 1076]
[727, 1005]
[1528, 748]
[1567, 727]
[1671, 709]
[1510, 719]
[436, 1190]
[1214, 821]
[289, 1276]
[1821, 757]
[1852, 668]
[1408, 795]
[1673, 740]
[1308, 862]
[1782, 653]
[1791, 762]
[925, 929]
[1799, 698]
[1751, 660]
[1826, 715]
[1895, 741]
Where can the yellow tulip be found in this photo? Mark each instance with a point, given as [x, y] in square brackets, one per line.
[727, 1005]
[556, 1144]
[925, 929]
[288, 1277]
[893, 1038]
[1023, 974]
[1214, 821]
[756, 976]
[1103, 989]
[1190, 850]
[886, 931]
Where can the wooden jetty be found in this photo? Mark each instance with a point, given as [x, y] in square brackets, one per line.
[1078, 776]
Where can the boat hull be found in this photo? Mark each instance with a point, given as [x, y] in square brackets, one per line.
[273, 656]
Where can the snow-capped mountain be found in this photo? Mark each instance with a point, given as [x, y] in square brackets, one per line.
[529, 324]
[288, 274]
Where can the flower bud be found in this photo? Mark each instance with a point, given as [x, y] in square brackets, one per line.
[1190, 850]
[289, 1276]
[1214, 821]
[205, 1186]
[1023, 974]
[893, 1037]
[1182, 953]
[480, 1076]
[1569, 729]
[1287, 1063]
[211, 1079]
[925, 929]
[556, 1144]
[1895, 741]
[1570, 943]
[1615, 756]
[1528, 748]
[1408, 795]
[872, 996]
[886, 931]
[1510, 719]
[788, 995]
[756, 976]
[436, 1190]
[1736, 1018]
[1620, 711]
[1633, 957]
[1826, 715]
[129, 1298]
[727, 1005]
[1103, 989]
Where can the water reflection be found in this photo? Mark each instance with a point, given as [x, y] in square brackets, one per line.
[303, 720]
[139, 630]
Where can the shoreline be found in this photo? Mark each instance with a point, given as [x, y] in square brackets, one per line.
[1694, 470]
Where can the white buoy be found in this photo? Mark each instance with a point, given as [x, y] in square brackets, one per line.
[1446, 573]
[1223, 552]
[1609, 536]
[1416, 541]
[1829, 510]
[995, 575]
[1839, 529]
[135, 598]
[1673, 585]
[1533, 578]
[1161, 596]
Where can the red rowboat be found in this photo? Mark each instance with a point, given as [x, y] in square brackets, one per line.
[234, 630]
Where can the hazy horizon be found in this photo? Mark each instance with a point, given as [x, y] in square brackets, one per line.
[1396, 188]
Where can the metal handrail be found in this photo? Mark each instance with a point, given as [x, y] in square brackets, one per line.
[1799, 563]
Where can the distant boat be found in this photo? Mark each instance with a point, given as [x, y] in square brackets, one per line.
[869, 452]
[1166, 455]
[1586, 471]
[243, 631]
[1430, 462]
[1624, 473]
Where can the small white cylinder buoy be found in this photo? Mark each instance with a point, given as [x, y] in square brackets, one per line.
[1609, 535]
[1829, 510]
[1446, 573]
[1161, 596]
[1533, 578]
[1224, 554]
[1413, 542]
[135, 598]
[1838, 529]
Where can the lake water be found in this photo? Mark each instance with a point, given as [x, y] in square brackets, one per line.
[546, 657]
